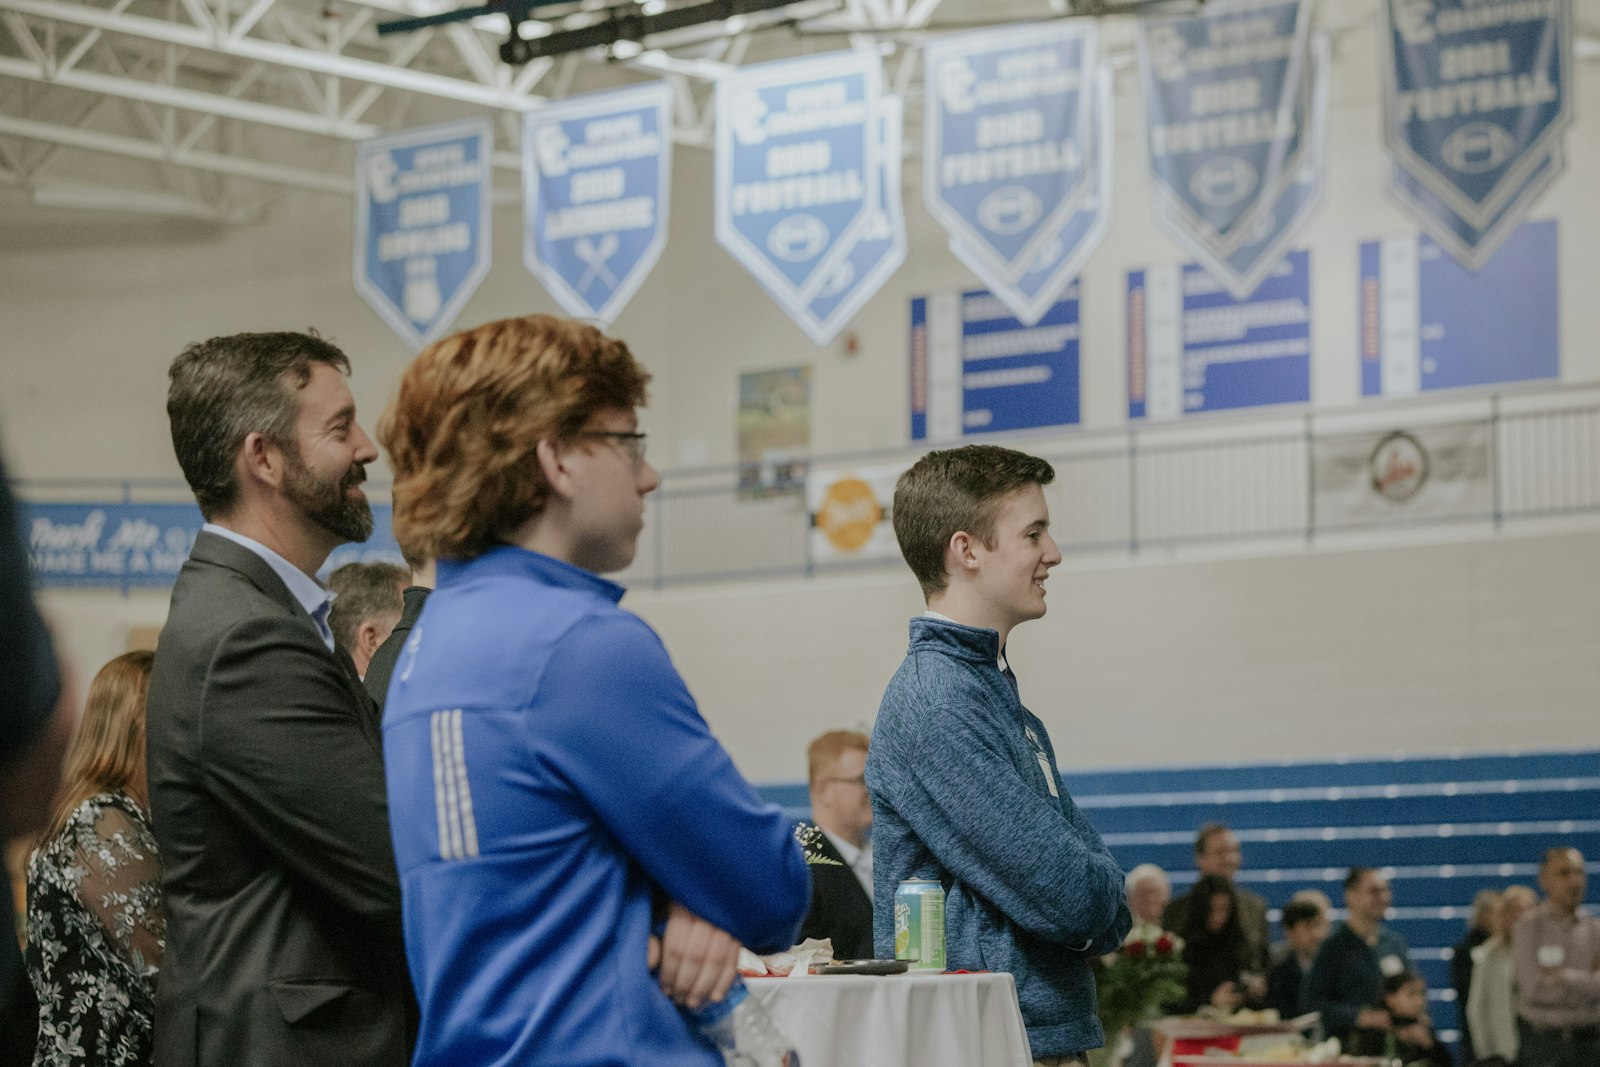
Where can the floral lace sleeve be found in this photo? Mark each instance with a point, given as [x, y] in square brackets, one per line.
[121, 885]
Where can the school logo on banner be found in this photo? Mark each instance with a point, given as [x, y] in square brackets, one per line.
[422, 224]
[596, 171]
[1232, 121]
[1475, 110]
[877, 253]
[1011, 140]
[850, 513]
[1419, 473]
[797, 169]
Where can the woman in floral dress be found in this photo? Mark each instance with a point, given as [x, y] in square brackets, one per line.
[95, 927]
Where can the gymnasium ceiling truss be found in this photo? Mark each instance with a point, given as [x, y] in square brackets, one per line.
[211, 109]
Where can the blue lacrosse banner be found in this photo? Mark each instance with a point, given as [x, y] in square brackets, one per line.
[1011, 147]
[877, 253]
[797, 169]
[976, 369]
[1194, 347]
[1231, 122]
[422, 224]
[1428, 323]
[596, 173]
[1477, 100]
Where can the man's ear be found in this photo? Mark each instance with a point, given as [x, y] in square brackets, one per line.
[261, 461]
[554, 462]
[960, 552]
[369, 635]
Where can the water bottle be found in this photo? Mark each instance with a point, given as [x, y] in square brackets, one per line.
[743, 1031]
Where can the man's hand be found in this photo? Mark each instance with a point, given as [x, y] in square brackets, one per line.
[1373, 1019]
[696, 961]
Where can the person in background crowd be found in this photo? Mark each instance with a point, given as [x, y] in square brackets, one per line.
[1491, 1005]
[1406, 1036]
[1214, 947]
[1149, 891]
[266, 769]
[1217, 854]
[381, 667]
[37, 712]
[95, 924]
[1305, 927]
[839, 853]
[965, 787]
[366, 606]
[1479, 927]
[550, 778]
[1346, 979]
[1556, 946]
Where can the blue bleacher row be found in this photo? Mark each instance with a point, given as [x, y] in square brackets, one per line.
[1447, 825]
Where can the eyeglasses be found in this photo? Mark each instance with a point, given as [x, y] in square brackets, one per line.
[632, 442]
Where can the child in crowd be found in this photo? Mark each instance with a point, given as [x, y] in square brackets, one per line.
[1409, 1036]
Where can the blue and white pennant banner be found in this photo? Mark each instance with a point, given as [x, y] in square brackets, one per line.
[1477, 101]
[1231, 124]
[1012, 143]
[597, 173]
[798, 157]
[423, 199]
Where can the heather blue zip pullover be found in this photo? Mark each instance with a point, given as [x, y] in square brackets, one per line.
[965, 790]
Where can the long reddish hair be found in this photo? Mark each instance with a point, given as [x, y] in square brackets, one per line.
[107, 751]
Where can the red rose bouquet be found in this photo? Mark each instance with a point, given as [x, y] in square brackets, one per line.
[1137, 981]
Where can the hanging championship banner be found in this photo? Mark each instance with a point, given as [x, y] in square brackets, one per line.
[1044, 281]
[1476, 105]
[423, 199]
[596, 171]
[1230, 124]
[797, 182]
[877, 253]
[1010, 155]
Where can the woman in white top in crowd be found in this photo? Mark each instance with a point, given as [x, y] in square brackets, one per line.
[1492, 1002]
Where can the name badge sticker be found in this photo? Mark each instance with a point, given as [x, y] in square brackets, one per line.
[1391, 966]
[1552, 956]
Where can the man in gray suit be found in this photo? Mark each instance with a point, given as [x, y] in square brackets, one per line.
[266, 779]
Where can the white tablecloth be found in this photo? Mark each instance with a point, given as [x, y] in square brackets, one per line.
[900, 1020]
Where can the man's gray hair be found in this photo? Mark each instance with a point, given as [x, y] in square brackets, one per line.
[1145, 871]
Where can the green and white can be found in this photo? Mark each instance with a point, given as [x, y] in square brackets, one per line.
[919, 924]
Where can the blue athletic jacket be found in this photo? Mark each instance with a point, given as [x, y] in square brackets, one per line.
[547, 770]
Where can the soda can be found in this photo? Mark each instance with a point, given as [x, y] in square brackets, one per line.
[919, 924]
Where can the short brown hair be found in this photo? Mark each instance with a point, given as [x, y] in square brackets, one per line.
[829, 747]
[107, 750]
[471, 410]
[222, 390]
[957, 489]
[1207, 832]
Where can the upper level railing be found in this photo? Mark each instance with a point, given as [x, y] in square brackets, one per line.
[1486, 460]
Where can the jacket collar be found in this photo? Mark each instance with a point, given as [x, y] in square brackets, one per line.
[509, 561]
[220, 551]
[952, 638]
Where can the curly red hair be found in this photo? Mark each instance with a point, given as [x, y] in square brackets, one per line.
[471, 409]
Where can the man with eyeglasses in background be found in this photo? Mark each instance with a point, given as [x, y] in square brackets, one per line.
[838, 850]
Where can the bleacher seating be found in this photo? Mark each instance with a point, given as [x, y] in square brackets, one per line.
[1441, 827]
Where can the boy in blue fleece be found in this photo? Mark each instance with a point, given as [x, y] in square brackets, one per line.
[963, 777]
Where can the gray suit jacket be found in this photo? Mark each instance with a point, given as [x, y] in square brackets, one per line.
[267, 791]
